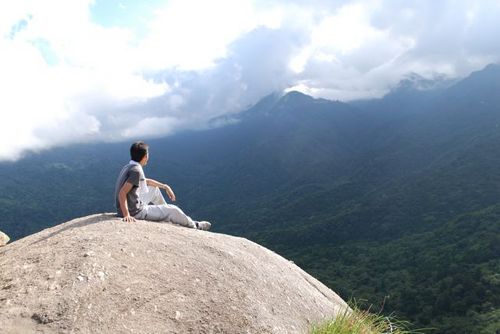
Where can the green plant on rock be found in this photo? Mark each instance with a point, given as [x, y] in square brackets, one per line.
[357, 321]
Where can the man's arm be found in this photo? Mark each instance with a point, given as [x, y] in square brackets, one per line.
[168, 190]
[122, 199]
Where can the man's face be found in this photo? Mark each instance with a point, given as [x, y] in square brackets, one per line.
[145, 160]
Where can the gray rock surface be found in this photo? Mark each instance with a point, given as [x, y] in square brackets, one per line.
[97, 274]
[4, 239]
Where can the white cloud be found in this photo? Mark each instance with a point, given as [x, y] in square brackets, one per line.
[60, 100]
[154, 126]
[193, 34]
[65, 78]
[344, 31]
[363, 48]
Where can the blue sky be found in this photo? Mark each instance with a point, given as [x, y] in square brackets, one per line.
[82, 70]
[128, 14]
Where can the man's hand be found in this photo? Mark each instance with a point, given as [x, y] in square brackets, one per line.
[128, 219]
[122, 198]
[170, 193]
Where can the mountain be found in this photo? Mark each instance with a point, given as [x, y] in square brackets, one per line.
[98, 274]
[393, 201]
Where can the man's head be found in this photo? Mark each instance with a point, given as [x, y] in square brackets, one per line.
[139, 152]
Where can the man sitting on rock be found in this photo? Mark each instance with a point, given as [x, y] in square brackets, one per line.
[141, 198]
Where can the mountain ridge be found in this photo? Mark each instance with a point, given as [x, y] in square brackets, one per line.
[338, 188]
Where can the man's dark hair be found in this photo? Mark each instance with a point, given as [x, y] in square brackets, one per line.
[138, 150]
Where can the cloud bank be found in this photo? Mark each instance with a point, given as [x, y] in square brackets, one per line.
[71, 72]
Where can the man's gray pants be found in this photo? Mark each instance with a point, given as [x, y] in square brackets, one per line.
[158, 210]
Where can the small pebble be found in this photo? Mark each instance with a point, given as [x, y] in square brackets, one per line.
[101, 275]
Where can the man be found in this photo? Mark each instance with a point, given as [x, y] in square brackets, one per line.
[140, 198]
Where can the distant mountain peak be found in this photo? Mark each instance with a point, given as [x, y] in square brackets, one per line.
[491, 71]
[492, 67]
[296, 96]
[480, 85]
[276, 101]
[268, 100]
[416, 82]
[297, 99]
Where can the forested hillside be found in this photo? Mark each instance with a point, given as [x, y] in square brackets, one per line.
[391, 201]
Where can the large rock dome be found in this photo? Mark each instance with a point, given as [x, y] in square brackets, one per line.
[98, 274]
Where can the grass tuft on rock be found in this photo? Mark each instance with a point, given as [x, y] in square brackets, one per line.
[357, 321]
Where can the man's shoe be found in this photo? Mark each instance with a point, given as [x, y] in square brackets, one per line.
[203, 225]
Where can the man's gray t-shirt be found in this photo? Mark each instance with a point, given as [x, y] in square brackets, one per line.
[130, 173]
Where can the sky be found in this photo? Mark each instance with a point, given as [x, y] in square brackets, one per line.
[77, 71]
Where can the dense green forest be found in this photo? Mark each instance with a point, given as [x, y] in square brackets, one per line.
[392, 202]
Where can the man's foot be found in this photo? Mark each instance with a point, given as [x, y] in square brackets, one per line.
[203, 225]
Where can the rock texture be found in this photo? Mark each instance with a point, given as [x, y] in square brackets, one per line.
[98, 274]
[4, 239]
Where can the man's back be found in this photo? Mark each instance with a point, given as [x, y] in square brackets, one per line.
[129, 173]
